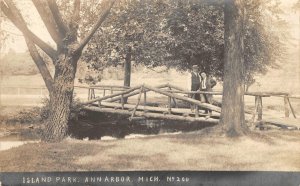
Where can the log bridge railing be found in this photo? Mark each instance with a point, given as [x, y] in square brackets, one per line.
[259, 104]
[107, 103]
[258, 111]
[105, 88]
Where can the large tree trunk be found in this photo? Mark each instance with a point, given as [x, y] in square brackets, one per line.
[61, 98]
[232, 115]
[127, 70]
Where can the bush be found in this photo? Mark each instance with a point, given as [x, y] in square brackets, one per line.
[75, 109]
[25, 116]
[37, 115]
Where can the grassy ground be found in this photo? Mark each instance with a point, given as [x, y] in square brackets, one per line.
[272, 150]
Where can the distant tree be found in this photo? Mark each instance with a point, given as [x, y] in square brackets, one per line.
[65, 32]
[132, 33]
[13, 63]
[296, 7]
[3, 34]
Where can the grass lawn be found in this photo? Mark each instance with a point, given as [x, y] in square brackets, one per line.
[264, 150]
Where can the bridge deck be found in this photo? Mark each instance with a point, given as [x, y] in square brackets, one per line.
[152, 115]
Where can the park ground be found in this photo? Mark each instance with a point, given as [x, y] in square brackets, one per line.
[267, 151]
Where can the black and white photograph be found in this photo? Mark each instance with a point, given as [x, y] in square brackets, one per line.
[150, 92]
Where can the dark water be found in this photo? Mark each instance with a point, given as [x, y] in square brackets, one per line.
[95, 125]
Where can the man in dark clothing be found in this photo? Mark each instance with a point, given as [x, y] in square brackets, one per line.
[194, 82]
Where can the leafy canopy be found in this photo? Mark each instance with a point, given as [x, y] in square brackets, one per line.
[179, 34]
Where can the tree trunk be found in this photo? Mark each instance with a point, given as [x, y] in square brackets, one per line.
[127, 70]
[61, 98]
[65, 57]
[232, 114]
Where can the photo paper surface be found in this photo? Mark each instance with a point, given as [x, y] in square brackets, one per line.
[149, 92]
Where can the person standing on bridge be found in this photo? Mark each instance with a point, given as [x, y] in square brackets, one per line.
[207, 83]
[194, 82]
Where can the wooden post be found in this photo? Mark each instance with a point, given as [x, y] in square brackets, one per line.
[196, 111]
[192, 105]
[175, 103]
[99, 104]
[292, 109]
[89, 94]
[127, 69]
[259, 108]
[174, 100]
[169, 105]
[286, 107]
[145, 100]
[137, 104]
[93, 93]
[255, 109]
[122, 101]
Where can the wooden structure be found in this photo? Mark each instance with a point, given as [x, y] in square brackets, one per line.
[114, 103]
[258, 111]
[104, 88]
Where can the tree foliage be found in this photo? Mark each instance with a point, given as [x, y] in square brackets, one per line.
[125, 32]
[179, 34]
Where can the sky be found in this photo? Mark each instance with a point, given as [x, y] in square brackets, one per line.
[17, 42]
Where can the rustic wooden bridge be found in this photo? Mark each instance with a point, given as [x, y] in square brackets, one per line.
[178, 106]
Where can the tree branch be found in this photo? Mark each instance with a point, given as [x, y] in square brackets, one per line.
[40, 63]
[63, 29]
[101, 19]
[74, 22]
[76, 12]
[13, 14]
[47, 17]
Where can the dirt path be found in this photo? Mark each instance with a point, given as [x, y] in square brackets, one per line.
[277, 150]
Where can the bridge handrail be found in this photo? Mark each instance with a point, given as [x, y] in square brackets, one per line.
[103, 87]
[169, 90]
[183, 98]
[111, 96]
[264, 94]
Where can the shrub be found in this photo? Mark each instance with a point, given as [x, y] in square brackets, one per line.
[37, 115]
[27, 116]
[75, 109]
